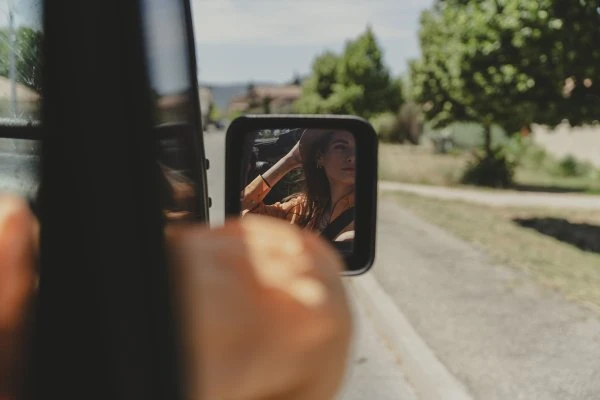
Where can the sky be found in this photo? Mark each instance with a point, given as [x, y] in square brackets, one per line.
[27, 12]
[240, 41]
[272, 40]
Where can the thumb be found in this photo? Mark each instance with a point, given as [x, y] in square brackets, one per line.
[18, 247]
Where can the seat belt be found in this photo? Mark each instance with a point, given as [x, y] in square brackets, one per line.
[336, 226]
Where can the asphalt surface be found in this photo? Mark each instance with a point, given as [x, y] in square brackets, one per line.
[501, 334]
[373, 371]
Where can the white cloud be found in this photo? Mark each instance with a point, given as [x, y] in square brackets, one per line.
[307, 22]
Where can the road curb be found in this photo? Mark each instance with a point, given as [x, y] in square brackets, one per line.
[430, 378]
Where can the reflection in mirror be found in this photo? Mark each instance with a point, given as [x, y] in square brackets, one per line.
[175, 108]
[304, 176]
[177, 162]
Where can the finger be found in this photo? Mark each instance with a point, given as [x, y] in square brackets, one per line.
[18, 247]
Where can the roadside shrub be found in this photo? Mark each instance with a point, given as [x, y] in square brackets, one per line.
[569, 166]
[515, 149]
[537, 156]
[409, 123]
[495, 171]
[385, 127]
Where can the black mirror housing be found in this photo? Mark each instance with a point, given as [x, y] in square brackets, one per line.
[257, 145]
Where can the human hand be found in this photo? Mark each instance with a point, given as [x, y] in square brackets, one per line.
[19, 238]
[264, 310]
[262, 320]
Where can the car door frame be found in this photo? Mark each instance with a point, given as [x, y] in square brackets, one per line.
[104, 324]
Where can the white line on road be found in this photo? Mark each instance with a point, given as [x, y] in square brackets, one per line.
[431, 379]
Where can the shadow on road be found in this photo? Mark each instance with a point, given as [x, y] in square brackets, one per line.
[584, 236]
[550, 189]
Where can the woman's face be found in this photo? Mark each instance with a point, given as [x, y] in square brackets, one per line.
[338, 160]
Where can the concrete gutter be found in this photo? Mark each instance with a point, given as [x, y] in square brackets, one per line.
[430, 378]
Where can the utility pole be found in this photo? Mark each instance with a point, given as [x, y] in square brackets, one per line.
[13, 51]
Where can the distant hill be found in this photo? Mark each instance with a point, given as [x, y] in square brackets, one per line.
[223, 93]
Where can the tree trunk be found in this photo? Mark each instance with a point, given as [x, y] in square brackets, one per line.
[487, 132]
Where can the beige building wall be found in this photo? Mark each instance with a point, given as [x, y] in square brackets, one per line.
[582, 143]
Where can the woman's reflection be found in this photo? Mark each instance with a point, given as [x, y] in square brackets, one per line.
[326, 203]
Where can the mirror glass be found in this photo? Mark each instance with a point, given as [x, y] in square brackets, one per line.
[176, 114]
[304, 176]
[177, 162]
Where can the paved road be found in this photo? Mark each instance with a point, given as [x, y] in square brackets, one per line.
[496, 198]
[373, 373]
[497, 331]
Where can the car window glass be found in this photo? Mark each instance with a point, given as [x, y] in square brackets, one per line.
[21, 38]
[20, 61]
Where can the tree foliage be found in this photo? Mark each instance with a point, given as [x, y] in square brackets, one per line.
[510, 62]
[28, 52]
[355, 82]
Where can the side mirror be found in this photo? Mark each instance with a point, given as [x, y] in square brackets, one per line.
[317, 172]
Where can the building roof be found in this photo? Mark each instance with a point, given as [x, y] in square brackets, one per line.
[277, 92]
[278, 96]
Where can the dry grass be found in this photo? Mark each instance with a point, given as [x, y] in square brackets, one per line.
[419, 164]
[531, 177]
[554, 263]
[416, 164]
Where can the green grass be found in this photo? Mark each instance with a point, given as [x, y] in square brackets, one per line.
[573, 272]
[532, 177]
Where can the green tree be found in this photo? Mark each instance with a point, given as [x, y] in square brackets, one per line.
[28, 46]
[362, 65]
[29, 60]
[356, 82]
[319, 85]
[506, 62]
[214, 113]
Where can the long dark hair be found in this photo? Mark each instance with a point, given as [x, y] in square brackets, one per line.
[316, 190]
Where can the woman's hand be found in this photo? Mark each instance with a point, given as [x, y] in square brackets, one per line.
[263, 306]
[19, 238]
[265, 312]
